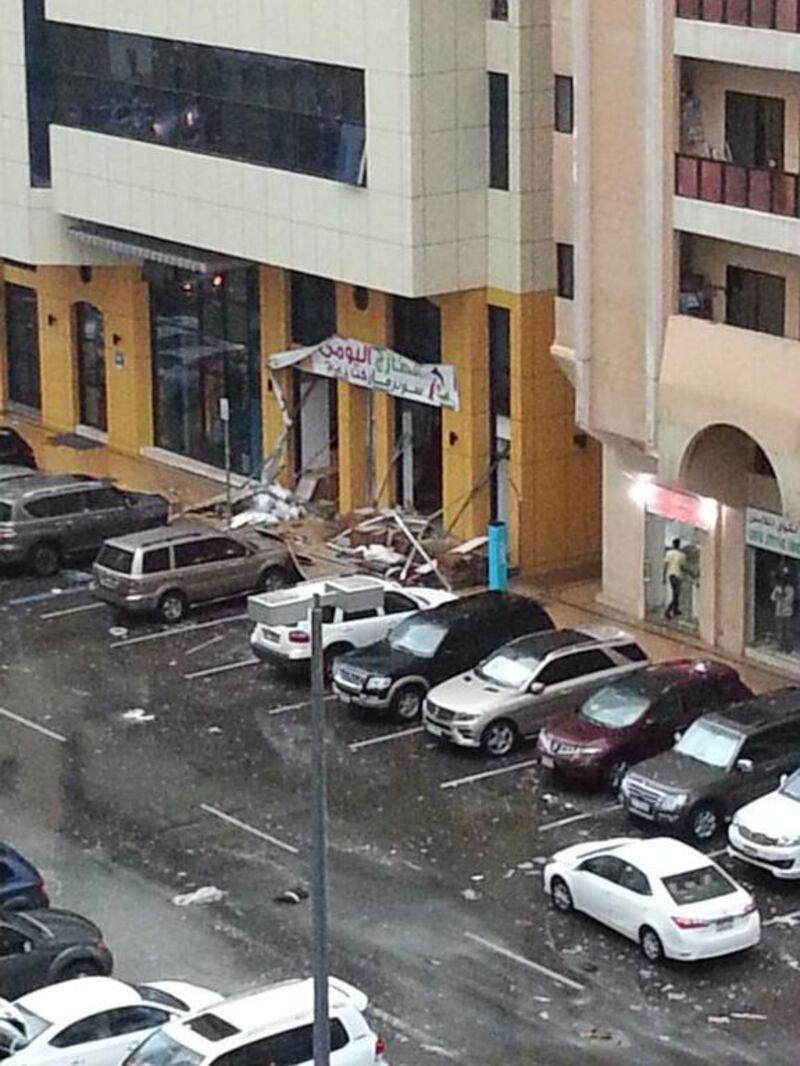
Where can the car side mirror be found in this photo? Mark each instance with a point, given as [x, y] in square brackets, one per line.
[784, 779]
[676, 736]
[744, 766]
[535, 688]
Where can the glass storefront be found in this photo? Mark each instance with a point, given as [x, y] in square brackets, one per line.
[660, 535]
[22, 346]
[773, 584]
[91, 359]
[206, 344]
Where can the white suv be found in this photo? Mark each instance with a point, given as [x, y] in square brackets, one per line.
[273, 1024]
[342, 630]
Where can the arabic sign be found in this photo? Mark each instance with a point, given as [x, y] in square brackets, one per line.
[677, 507]
[373, 367]
[772, 532]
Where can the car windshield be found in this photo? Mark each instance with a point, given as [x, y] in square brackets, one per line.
[791, 786]
[614, 707]
[709, 744]
[162, 1050]
[510, 667]
[115, 559]
[417, 637]
[697, 886]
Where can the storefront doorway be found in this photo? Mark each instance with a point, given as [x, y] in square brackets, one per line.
[91, 360]
[22, 346]
[773, 586]
[419, 449]
[660, 534]
[316, 429]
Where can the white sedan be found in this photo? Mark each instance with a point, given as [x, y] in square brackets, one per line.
[669, 897]
[92, 1021]
[766, 832]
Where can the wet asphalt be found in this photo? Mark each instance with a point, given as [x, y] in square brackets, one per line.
[142, 762]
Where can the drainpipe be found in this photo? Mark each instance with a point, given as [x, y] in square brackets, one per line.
[582, 212]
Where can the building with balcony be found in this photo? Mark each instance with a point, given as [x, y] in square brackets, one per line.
[336, 217]
[677, 214]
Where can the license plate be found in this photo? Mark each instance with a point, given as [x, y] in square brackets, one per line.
[640, 806]
[547, 762]
[725, 923]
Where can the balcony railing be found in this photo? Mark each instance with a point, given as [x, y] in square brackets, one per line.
[718, 182]
[759, 14]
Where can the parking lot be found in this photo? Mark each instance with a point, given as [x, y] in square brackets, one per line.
[141, 761]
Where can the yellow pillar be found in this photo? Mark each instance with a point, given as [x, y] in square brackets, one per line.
[465, 433]
[123, 297]
[276, 386]
[372, 324]
[57, 348]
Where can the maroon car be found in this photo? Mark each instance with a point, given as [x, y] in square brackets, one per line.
[635, 717]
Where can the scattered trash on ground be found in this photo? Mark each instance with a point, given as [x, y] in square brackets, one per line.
[470, 894]
[206, 894]
[292, 895]
[138, 714]
[118, 631]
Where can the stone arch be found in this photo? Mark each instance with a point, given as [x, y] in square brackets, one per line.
[726, 463]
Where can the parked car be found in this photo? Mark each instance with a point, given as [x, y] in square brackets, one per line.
[635, 718]
[766, 832]
[661, 893]
[21, 884]
[96, 1021]
[41, 947]
[513, 692]
[50, 518]
[15, 449]
[342, 629]
[721, 762]
[165, 571]
[273, 1024]
[429, 647]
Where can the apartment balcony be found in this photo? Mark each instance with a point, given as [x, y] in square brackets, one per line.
[746, 205]
[757, 33]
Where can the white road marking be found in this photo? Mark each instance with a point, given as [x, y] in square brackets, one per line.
[177, 630]
[221, 669]
[296, 706]
[205, 644]
[41, 597]
[716, 854]
[419, 1036]
[790, 919]
[579, 817]
[457, 781]
[33, 725]
[559, 978]
[382, 739]
[72, 610]
[229, 818]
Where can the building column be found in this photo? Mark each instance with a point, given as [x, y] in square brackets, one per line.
[124, 299]
[371, 324]
[57, 349]
[465, 433]
[276, 386]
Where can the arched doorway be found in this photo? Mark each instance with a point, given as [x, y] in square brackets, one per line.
[91, 360]
[727, 464]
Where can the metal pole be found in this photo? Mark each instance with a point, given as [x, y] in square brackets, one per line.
[319, 873]
[224, 407]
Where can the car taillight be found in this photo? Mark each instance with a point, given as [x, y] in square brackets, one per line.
[689, 923]
[40, 889]
[297, 636]
[380, 1049]
[7, 534]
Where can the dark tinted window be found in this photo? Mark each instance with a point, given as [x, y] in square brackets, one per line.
[696, 886]
[633, 653]
[193, 553]
[68, 503]
[357, 616]
[634, 880]
[606, 866]
[11, 941]
[498, 131]
[564, 104]
[397, 603]
[96, 1027]
[135, 1018]
[155, 560]
[290, 1048]
[313, 303]
[115, 559]
[105, 499]
[5, 512]
[768, 745]
[565, 271]
[579, 664]
[6, 873]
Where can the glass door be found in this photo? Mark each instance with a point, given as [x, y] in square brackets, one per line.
[91, 351]
[22, 346]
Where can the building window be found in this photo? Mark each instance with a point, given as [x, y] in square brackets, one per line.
[754, 130]
[755, 301]
[91, 364]
[498, 131]
[500, 361]
[22, 346]
[313, 302]
[564, 104]
[565, 270]
[39, 86]
[499, 10]
[289, 114]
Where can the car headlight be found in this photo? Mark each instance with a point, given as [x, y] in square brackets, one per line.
[379, 684]
[674, 802]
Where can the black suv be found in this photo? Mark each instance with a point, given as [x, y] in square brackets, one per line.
[430, 647]
[721, 762]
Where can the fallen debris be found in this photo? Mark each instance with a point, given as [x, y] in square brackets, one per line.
[206, 894]
[138, 714]
[292, 895]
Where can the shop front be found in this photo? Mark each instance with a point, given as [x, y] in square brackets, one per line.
[772, 575]
[22, 346]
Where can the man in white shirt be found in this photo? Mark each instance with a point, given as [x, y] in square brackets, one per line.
[674, 567]
[783, 602]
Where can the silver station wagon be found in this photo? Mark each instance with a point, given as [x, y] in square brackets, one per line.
[165, 571]
[514, 691]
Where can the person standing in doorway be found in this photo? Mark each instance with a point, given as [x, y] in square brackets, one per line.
[674, 567]
[783, 603]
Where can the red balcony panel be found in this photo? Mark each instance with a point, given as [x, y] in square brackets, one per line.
[712, 10]
[762, 14]
[787, 16]
[784, 199]
[689, 9]
[711, 180]
[687, 175]
[760, 193]
[737, 12]
[736, 186]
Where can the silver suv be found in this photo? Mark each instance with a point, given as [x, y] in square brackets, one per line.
[514, 691]
[164, 571]
[47, 519]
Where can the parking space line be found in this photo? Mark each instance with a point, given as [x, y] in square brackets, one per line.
[41, 597]
[545, 971]
[221, 669]
[457, 781]
[177, 630]
[296, 706]
[229, 818]
[579, 817]
[72, 610]
[33, 725]
[716, 854]
[384, 737]
[205, 644]
[419, 1036]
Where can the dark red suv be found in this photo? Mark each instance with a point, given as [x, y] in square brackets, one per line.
[635, 718]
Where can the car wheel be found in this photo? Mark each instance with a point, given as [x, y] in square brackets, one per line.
[407, 702]
[172, 607]
[499, 738]
[331, 655]
[616, 772]
[561, 895]
[650, 943]
[273, 578]
[81, 968]
[704, 822]
[45, 559]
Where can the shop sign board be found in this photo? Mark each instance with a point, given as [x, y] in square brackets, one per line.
[772, 532]
[371, 366]
[677, 507]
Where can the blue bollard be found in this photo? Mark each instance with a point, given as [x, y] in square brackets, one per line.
[498, 556]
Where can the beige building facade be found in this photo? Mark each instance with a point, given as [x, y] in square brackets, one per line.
[677, 202]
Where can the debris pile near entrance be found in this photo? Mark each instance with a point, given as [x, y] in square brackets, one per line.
[269, 505]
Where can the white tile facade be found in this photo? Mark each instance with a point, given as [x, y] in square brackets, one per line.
[426, 223]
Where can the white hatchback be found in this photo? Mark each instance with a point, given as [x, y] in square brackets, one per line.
[342, 630]
[669, 897]
[94, 1021]
[766, 832]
